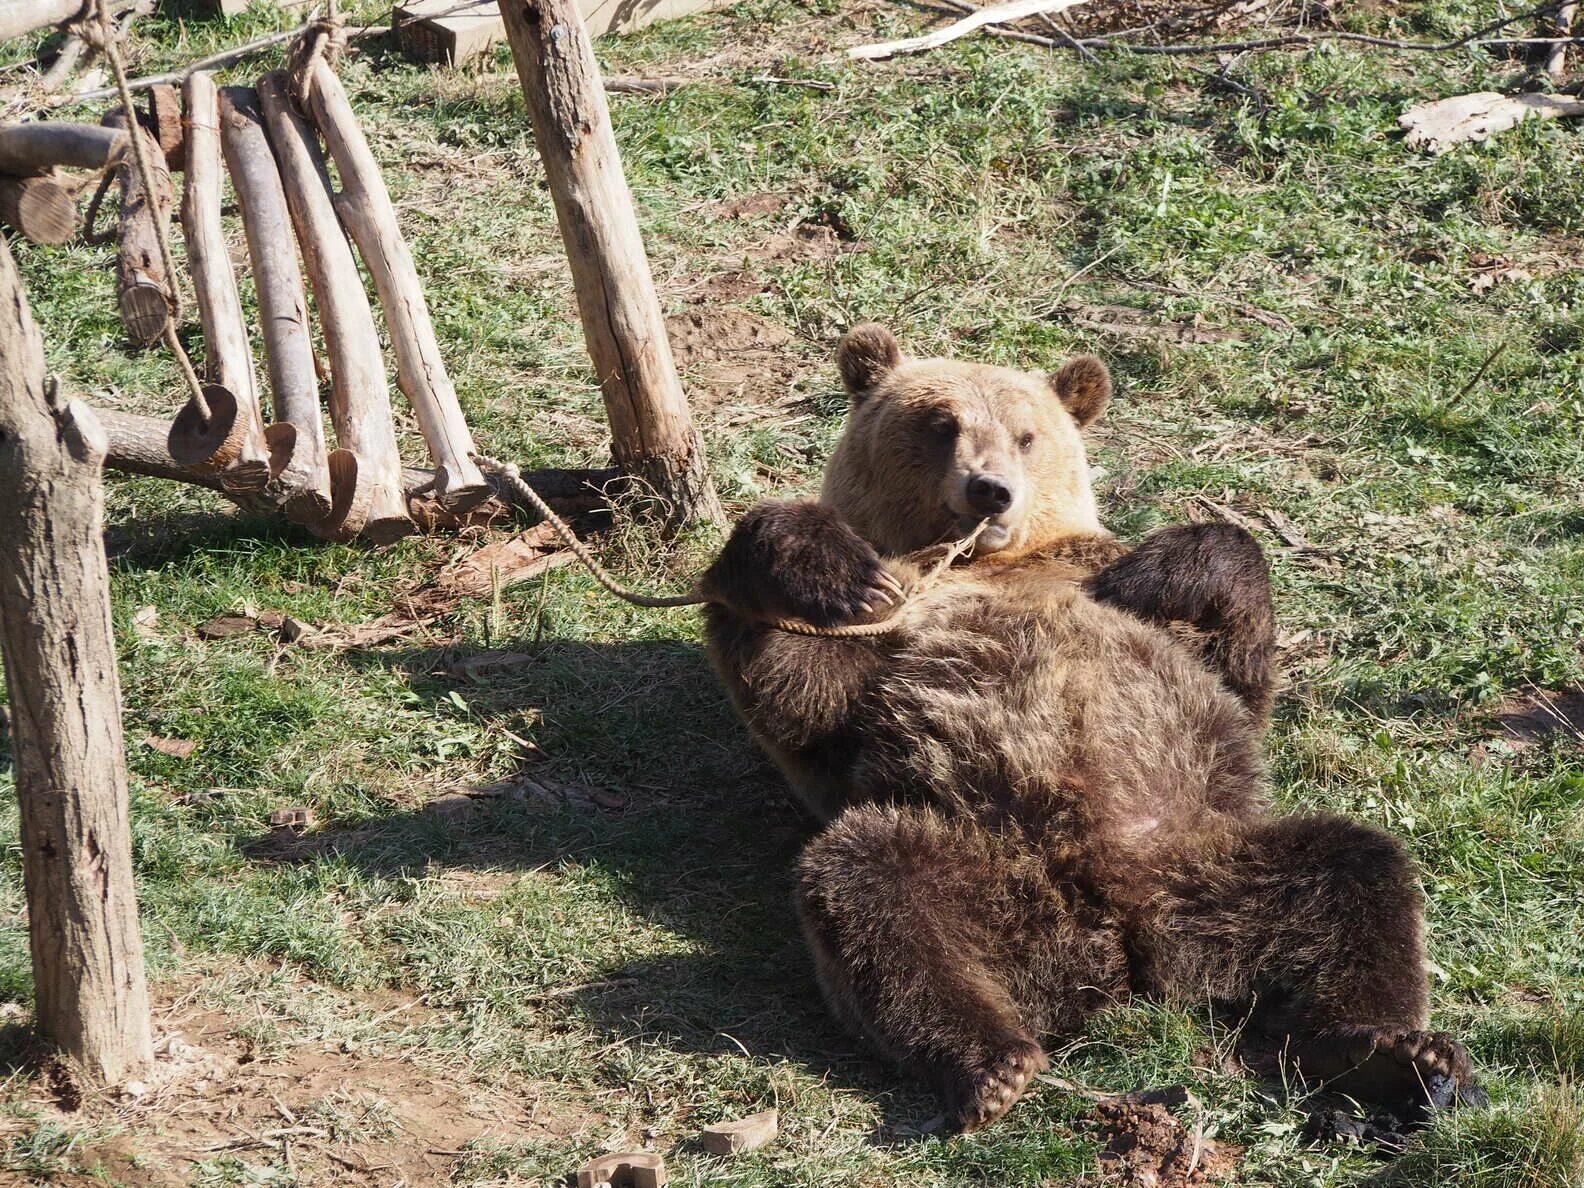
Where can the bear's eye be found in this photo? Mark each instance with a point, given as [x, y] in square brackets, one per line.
[942, 424]
[1025, 441]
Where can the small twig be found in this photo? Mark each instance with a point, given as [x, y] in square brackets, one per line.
[1478, 375]
[812, 84]
[995, 14]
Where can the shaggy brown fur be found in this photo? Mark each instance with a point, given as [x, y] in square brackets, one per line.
[1038, 796]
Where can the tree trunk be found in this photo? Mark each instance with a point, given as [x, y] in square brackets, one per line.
[366, 212]
[652, 432]
[304, 481]
[60, 664]
[365, 472]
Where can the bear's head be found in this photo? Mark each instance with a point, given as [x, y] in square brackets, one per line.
[933, 446]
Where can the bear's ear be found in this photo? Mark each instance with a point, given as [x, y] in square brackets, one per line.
[867, 354]
[1083, 384]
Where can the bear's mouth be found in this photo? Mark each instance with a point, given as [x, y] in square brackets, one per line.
[996, 535]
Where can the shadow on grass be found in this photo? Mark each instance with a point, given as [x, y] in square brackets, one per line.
[700, 840]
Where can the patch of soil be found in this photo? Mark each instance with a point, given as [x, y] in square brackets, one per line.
[809, 241]
[733, 359]
[1535, 715]
[1148, 1147]
[333, 1116]
[748, 205]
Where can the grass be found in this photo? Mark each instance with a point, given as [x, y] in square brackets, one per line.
[624, 977]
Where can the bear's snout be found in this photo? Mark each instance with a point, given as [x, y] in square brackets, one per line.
[989, 494]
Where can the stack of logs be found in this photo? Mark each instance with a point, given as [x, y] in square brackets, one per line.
[273, 153]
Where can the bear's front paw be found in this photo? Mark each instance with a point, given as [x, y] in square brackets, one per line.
[1403, 1067]
[978, 1096]
[800, 560]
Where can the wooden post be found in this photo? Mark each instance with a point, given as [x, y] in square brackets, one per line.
[228, 358]
[652, 433]
[60, 665]
[140, 273]
[304, 480]
[39, 207]
[366, 211]
[365, 472]
[1556, 57]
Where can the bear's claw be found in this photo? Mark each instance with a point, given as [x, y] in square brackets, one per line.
[985, 1094]
[1429, 1070]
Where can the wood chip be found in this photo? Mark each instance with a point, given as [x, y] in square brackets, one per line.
[502, 563]
[295, 630]
[222, 626]
[1442, 123]
[624, 1169]
[296, 819]
[745, 1134]
[176, 748]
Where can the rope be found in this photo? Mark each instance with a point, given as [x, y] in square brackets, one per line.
[323, 38]
[511, 476]
[103, 38]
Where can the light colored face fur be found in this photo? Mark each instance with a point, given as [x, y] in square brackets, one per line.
[933, 446]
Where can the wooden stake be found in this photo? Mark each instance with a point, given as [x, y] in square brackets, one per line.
[140, 274]
[39, 207]
[365, 472]
[60, 664]
[1556, 56]
[304, 479]
[652, 432]
[36, 148]
[365, 208]
[228, 357]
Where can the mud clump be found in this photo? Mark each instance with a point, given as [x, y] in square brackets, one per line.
[1147, 1147]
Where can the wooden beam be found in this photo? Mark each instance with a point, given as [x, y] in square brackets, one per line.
[365, 472]
[90, 992]
[304, 478]
[365, 208]
[653, 437]
[34, 148]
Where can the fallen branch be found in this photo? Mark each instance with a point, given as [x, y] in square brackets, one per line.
[1439, 125]
[995, 14]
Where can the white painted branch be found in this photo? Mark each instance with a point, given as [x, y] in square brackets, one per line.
[994, 14]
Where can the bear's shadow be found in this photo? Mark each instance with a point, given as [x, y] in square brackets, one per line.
[703, 846]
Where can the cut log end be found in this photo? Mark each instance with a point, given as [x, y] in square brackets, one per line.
[213, 443]
[460, 494]
[144, 311]
[349, 499]
[39, 208]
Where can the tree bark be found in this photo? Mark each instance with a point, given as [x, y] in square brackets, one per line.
[140, 273]
[365, 472]
[27, 149]
[228, 357]
[304, 480]
[366, 211]
[90, 991]
[652, 434]
[39, 207]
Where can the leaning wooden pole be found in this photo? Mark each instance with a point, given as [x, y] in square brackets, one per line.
[366, 211]
[652, 433]
[365, 472]
[228, 357]
[304, 479]
[141, 292]
[60, 665]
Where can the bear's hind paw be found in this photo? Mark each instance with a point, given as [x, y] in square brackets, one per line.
[981, 1096]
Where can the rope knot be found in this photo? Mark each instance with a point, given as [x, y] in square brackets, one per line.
[324, 39]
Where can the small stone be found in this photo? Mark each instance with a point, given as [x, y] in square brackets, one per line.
[135, 1089]
[624, 1169]
[745, 1134]
[176, 748]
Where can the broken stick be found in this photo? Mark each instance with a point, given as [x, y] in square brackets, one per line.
[365, 472]
[304, 477]
[365, 208]
[994, 14]
[228, 357]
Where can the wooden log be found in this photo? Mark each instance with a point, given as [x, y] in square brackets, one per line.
[141, 445]
[39, 207]
[90, 993]
[228, 359]
[27, 16]
[27, 149]
[1556, 56]
[365, 472]
[304, 477]
[167, 124]
[366, 212]
[652, 433]
[140, 273]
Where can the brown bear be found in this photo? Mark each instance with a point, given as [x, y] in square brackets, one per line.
[1042, 786]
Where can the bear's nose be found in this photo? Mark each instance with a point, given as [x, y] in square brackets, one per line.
[989, 494]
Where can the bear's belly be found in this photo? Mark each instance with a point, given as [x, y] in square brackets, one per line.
[1056, 713]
